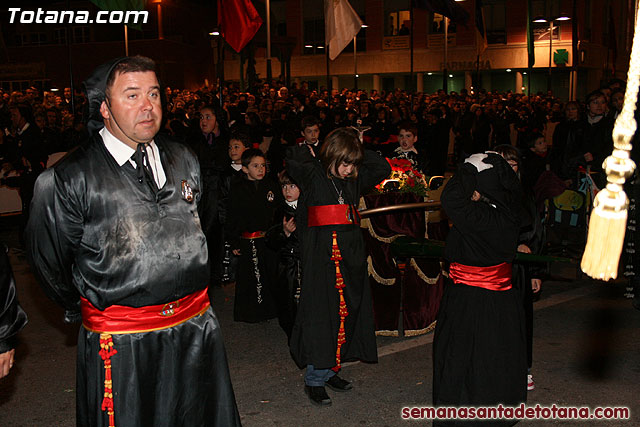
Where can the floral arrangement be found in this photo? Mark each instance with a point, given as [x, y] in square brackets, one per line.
[404, 178]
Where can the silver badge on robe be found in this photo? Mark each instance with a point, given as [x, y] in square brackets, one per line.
[270, 196]
[187, 191]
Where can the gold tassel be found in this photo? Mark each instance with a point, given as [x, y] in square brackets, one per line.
[609, 215]
[606, 235]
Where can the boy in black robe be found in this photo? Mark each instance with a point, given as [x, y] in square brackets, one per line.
[283, 238]
[252, 205]
[239, 141]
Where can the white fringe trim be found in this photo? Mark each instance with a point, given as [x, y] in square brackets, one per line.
[376, 276]
[421, 275]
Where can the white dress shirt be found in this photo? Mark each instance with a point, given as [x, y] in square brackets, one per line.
[121, 152]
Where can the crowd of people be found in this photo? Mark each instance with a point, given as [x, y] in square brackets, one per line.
[271, 178]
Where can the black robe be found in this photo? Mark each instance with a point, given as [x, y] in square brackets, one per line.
[315, 332]
[252, 207]
[12, 316]
[479, 350]
[289, 272]
[98, 233]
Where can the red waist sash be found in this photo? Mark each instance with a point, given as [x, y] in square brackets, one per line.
[332, 215]
[252, 235]
[120, 319]
[494, 278]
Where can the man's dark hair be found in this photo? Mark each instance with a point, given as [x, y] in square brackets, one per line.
[249, 154]
[24, 109]
[132, 64]
[594, 95]
[309, 121]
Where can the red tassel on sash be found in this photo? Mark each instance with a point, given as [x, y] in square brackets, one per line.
[336, 256]
[118, 319]
[106, 351]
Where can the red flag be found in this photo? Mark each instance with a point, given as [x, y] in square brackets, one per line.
[241, 20]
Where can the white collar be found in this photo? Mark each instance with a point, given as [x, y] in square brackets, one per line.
[25, 127]
[120, 151]
[293, 204]
[412, 149]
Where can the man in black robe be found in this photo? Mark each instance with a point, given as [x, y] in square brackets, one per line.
[118, 244]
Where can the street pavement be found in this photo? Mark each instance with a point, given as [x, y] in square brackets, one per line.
[586, 353]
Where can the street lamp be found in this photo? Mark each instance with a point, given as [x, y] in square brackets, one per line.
[542, 19]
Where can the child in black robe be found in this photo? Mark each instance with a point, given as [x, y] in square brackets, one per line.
[252, 207]
[407, 138]
[479, 349]
[283, 238]
[238, 143]
[334, 322]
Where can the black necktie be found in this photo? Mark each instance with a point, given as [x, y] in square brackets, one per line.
[144, 171]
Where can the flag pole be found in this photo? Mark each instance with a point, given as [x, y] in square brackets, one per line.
[269, 75]
[329, 81]
[411, 86]
[355, 65]
[446, 36]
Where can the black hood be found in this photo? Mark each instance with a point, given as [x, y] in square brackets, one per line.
[94, 87]
[498, 183]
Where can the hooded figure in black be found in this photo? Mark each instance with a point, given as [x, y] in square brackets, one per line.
[116, 240]
[479, 351]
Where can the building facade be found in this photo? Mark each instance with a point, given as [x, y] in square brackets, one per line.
[601, 29]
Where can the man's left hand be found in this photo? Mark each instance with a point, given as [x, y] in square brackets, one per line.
[6, 362]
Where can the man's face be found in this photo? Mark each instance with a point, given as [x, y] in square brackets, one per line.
[134, 109]
[16, 118]
[572, 112]
[67, 93]
[596, 106]
[256, 169]
[616, 101]
[406, 139]
[311, 134]
[51, 118]
[207, 121]
[41, 122]
[236, 148]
